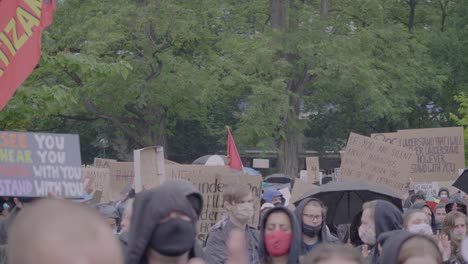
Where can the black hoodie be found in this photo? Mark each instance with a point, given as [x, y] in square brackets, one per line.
[294, 250]
[324, 235]
[151, 206]
[458, 199]
[387, 217]
[420, 206]
[393, 242]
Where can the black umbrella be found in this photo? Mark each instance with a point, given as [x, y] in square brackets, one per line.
[462, 182]
[277, 178]
[345, 199]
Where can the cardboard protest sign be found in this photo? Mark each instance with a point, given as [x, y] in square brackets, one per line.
[313, 169]
[210, 181]
[429, 188]
[97, 184]
[376, 162]
[261, 163]
[149, 167]
[299, 189]
[122, 178]
[439, 151]
[391, 138]
[103, 163]
[34, 164]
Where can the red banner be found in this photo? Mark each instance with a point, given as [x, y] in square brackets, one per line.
[21, 26]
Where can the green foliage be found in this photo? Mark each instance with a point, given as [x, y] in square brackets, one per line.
[175, 73]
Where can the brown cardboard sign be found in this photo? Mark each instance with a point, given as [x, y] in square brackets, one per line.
[439, 151]
[97, 183]
[376, 162]
[121, 179]
[313, 169]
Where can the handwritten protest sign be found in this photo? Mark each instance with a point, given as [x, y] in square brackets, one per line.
[376, 162]
[429, 188]
[313, 169]
[299, 189]
[34, 164]
[121, 179]
[97, 184]
[149, 167]
[439, 151]
[391, 138]
[210, 181]
[103, 163]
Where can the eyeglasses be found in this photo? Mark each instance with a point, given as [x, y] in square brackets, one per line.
[313, 217]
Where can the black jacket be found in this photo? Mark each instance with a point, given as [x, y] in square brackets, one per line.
[151, 206]
[387, 218]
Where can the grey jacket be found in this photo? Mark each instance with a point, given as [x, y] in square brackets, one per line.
[215, 245]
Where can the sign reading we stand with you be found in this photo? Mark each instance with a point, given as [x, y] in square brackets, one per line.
[34, 164]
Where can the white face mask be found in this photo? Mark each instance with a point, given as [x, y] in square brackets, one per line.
[244, 212]
[423, 229]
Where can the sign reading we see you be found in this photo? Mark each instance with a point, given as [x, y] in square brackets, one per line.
[34, 164]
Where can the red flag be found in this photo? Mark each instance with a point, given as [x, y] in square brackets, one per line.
[21, 26]
[234, 160]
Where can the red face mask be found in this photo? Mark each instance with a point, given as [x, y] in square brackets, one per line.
[278, 242]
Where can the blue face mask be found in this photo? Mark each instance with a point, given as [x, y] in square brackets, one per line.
[6, 206]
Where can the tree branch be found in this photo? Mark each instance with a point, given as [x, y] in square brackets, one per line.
[77, 118]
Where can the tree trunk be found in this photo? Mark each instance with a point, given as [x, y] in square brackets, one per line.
[324, 7]
[412, 15]
[278, 14]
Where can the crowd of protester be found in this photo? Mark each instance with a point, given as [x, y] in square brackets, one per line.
[160, 226]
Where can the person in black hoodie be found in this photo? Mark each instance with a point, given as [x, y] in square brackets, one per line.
[163, 225]
[427, 210]
[311, 214]
[378, 217]
[402, 247]
[280, 237]
[456, 203]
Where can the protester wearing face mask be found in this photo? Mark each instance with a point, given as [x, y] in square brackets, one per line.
[280, 237]
[429, 214]
[440, 215]
[238, 203]
[444, 192]
[378, 217]
[311, 214]
[456, 203]
[272, 195]
[163, 225]
[416, 222]
[455, 227]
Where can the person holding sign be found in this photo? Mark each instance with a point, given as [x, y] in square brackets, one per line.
[238, 202]
[311, 216]
[163, 224]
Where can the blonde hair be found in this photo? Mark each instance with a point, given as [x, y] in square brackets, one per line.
[325, 252]
[419, 246]
[370, 205]
[233, 193]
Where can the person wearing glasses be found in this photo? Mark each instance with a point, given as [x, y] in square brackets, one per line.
[311, 214]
